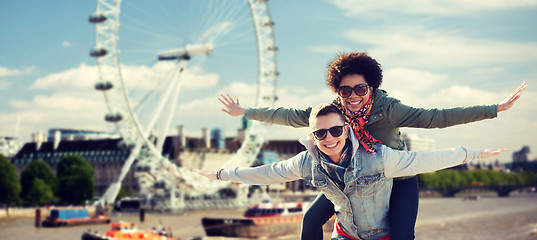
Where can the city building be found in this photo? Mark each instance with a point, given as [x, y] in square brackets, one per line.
[522, 161]
[105, 155]
[77, 134]
[418, 143]
[103, 152]
[9, 146]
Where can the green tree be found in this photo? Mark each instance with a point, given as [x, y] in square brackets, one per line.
[429, 180]
[461, 178]
[10, 186]
[450, 178]
[37, 169]
[41, 193]
[76, 180]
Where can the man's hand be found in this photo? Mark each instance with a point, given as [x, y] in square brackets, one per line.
[492, 152]
[206, 173]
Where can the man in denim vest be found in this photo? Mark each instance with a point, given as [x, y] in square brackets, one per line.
[357, 182]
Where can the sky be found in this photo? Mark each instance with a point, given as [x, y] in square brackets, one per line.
[434, 54]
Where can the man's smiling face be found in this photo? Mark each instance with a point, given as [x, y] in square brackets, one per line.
[330, 145]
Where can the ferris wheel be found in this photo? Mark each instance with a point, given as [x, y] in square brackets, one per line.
[176, 56]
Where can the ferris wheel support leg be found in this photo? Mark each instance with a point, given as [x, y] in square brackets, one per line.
[110, 194]
[171, 105]
[158, 109]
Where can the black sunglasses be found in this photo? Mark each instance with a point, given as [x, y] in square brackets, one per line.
[346, 91]
[335, 131]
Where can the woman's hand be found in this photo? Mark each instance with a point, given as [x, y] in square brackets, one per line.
[490, 152]
[232, 108]
[515, 95]
[209, 174]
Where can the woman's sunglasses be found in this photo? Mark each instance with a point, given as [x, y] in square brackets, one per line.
[335, 131]
[360, 90]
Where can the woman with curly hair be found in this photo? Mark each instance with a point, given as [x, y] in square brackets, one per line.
[375, 118]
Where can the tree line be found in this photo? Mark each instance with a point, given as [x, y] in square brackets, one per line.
[464, 178]
[73, 183]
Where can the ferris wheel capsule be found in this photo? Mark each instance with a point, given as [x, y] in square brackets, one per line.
[103, 86]
[98, 52]
[97, 18]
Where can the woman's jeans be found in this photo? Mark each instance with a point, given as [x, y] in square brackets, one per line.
[401, 216]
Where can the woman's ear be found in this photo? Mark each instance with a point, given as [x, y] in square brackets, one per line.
[347, 129]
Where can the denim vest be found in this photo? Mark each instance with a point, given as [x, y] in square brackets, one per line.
[362, 207]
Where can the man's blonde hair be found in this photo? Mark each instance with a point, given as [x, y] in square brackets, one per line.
[324, 109]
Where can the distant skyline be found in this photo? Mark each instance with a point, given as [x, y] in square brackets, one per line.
[434, 54]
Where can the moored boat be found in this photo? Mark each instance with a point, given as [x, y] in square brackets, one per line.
[71, 217]
[261, 220]
[129, 231]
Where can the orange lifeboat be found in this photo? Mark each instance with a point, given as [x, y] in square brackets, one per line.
[129, 231]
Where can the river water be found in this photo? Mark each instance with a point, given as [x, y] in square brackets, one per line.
[489, 217]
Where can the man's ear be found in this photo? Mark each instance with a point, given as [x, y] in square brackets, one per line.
[313, 139]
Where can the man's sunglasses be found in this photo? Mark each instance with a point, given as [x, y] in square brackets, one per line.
[346, 91]
[335, 131]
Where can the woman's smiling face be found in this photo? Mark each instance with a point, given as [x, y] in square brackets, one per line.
[354, 102]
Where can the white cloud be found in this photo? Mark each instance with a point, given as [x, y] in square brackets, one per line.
[135, 77]
[411, 46]
[456, 95]
[414, 80]
[61, 101]
[66, 43]
[5, 72]
[4, 85]
[511, 129]
[206, 112]
[74, 103]
[76, 109]
[428, 7]
[82, 77]
[145, 78]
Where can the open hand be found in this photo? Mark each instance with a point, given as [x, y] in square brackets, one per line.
[233, 107]
[515, 95]
[487, 153]
[206, 173]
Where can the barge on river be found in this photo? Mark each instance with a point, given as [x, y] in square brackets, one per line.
[72, 216]
[261, 220]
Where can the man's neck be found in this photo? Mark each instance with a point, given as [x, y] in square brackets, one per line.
[335, 158]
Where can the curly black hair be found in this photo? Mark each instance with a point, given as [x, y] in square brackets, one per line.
[344, 64]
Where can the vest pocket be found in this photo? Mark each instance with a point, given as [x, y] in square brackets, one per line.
[317, 183]
[367, 185]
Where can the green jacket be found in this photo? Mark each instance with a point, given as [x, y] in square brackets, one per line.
[387, 116]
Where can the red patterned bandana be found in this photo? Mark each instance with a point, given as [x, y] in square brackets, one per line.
[357, 121]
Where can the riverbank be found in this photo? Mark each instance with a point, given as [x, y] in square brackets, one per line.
[485, 218]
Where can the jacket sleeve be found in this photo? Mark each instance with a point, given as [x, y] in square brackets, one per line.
[284, 171]
[401, 115]
[407, 163]
[280, 116]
